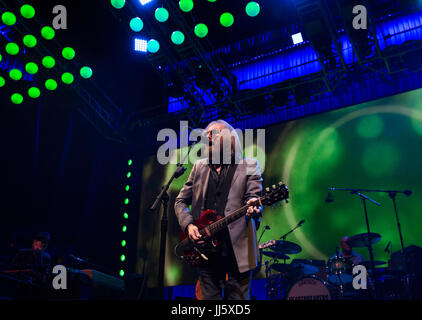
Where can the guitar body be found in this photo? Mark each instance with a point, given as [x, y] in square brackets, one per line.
[210, 248]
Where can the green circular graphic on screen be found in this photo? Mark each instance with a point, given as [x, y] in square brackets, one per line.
[31, 68]
[136, 24]
[201, 30]
[177, 37]
[161, 14]
[51, 84]
[68, 53]
[86, 72]
[186, 5]
[67, 78]
[16, 98]
[48, 33]
[15, 74]
[30, 41]
[153, 46]
[252, 9]
[34, 92]
[12, 48]
[27, 11]
[118, 4]
[226, 19]
[8, 18]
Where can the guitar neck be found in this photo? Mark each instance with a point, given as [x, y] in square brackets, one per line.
[224, 222]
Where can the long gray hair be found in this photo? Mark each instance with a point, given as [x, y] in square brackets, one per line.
[236, 145]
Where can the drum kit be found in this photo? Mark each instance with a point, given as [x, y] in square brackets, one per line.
[306, 279]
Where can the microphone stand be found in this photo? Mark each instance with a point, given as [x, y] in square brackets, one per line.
[164, 198]
[285, 236]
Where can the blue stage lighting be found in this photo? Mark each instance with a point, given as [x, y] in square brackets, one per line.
[144, 2]
[140, 45]
[297, 38]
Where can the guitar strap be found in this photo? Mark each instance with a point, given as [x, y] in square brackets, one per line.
[221, 206]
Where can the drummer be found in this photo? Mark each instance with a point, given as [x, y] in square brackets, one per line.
[348, 253]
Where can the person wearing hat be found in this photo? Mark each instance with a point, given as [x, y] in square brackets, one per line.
[36, 257]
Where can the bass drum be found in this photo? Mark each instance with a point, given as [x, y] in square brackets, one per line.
[309, 288]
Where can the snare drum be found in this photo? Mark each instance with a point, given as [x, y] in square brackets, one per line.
[339, 271]
[309, 288]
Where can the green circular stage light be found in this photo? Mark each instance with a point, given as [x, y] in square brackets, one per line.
[201, 30]
[127, 188]
[12, 48]
[212, 0]
[123, 243]
[30, 41]
[186, 5]
[48, 33]
[8, 18]
[121, 273]
[129, 163]
[67, 78]
[126, 201]
[48, 62]
[252, 9]
[125, 215]
[51, 84]
[2, 82]
[122, 258]
[177, 37]
[16, 98]
[118, 4]
[128, 175]
[27, 11]
[226, 19]
[68, 53]
[136, 24]
[86, 72]
[15, 74]
[34, 92]
[31, 68]
[124, 229]
[1, 57]
[153, 46]
[161, 14]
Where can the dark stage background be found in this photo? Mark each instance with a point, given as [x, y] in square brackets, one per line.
[375, 145]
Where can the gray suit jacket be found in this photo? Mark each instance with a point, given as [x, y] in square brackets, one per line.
[246, 184]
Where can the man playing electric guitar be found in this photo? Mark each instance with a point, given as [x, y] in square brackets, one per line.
[224, 184]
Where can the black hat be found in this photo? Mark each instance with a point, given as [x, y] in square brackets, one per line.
[42, 236]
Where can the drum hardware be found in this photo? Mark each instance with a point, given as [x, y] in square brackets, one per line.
[309, 288]
[276, 255]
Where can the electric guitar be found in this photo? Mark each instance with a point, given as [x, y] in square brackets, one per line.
[210, 224]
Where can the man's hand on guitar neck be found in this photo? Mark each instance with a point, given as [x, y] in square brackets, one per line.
[252, 210]
[194, 235]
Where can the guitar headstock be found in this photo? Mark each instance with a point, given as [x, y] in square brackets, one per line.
[275, 193]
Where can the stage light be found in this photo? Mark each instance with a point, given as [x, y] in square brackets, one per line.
[126, 201]
[144, 2]
[186, 5]
[122, 257]
[177, 37]
[8, 18]
[48, 62]
[121, 273]
[161, 14]
[297, 38]
[51, 84]
[153, 46]
[127, 188]
[68, 53]
[2, 82]
[48, 33]
[67, 78]
[129, 163]
[124, 228]
[136, 24]
[12, 48]
[226, 19]
[118, 4]
[123, 243]
[86, 72]
[16, 98]
[201, 30]
[125, 215]
[1, 57]
[141, 45]
[128, 175]
[34, 92]
[252, 9]
[27, 11]
[15, 74]
[31, 68]
[30, 41]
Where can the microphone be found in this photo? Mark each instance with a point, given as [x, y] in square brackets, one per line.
[76, 258]
[330, 197]
[387, 250]
[301, 222]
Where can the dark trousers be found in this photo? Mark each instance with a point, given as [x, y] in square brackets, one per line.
[214, 285]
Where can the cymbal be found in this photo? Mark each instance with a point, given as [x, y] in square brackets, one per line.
[367, 264]
[286, 247]
[282, 267]
[361, 239]
[274, 254]
[304, 268]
